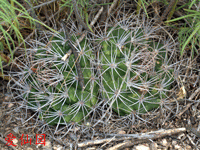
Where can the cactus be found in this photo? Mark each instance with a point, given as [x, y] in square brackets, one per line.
[134, 75]
[51, 87]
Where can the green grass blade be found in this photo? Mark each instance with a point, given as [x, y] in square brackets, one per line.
[190, 37]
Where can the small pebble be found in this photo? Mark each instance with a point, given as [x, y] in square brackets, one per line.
[154, 146]
[75, 129]
[188, 147]
[15, 141]
[39, 145]
[7, 98]
[142, 147]
[10, 105]
[122, 132]
[164, 142]
[91, 148]
[57, 147]
[177, 147]
[174, 142]
[47, 145]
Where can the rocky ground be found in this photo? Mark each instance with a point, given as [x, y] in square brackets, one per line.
[186, 138]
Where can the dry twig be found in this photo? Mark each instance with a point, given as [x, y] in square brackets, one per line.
[190, 104]
[141, 136]
[76, 55]
[112, 6]
[79, 17]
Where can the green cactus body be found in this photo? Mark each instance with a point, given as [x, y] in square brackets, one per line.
[63, 100]
[134, 76]
[119, 57]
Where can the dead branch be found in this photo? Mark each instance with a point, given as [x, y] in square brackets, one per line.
[78, 16]
[112, 6]
[141, 136]
[74, 51]
[190, 104]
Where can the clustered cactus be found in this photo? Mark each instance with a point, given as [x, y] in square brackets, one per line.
[130, 71]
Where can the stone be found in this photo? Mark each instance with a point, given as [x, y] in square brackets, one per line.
[142, 147]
